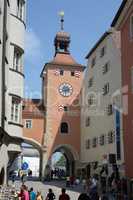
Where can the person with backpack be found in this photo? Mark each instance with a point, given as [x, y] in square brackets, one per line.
[50, 195]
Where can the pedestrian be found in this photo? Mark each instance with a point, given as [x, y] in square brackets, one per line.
[50, 195]
[64, 196]
[84, 196]
[32, 194]
[24, 194]
[39, 196]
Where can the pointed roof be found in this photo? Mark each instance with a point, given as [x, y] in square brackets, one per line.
[64, 59]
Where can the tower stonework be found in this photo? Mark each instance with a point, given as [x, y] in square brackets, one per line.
[61, 87]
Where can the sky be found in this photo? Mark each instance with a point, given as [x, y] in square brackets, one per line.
[85, 20]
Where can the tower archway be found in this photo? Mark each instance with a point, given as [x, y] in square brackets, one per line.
[70, 156]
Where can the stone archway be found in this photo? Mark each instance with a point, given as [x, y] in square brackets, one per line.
[71, 158]
[2, 175]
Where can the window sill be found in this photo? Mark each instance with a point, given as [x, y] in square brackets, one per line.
[15, 124]
[19, 19]
[17, 72]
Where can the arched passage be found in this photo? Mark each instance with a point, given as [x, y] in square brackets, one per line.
[71, 157]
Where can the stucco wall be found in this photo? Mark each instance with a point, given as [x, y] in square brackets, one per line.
[100, 122]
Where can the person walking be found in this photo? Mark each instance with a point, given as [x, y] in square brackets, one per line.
[50, 195]
[32, 194]
[39, 196]
[24, 194]
[64, 196]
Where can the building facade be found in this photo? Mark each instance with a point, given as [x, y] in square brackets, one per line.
[123, 22]
[101, 120]
[12, 23]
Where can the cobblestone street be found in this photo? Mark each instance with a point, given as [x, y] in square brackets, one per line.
[56, 187]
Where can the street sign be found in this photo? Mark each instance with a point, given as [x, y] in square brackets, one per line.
[25, 166]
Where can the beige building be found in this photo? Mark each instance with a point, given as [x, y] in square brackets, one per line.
[12, 30]
[101, 123]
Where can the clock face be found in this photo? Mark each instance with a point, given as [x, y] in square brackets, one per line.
[65, 89]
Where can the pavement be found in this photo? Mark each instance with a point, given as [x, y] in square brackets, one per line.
[54, 185]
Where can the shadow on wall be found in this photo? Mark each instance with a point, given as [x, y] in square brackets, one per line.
[67, 142]
[2, 175]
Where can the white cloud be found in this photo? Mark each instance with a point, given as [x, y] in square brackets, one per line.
[33, 47]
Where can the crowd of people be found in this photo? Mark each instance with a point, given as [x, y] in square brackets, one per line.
[92, 189]
[26, 194]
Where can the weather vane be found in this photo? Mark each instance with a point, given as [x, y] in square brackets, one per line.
[61, 14]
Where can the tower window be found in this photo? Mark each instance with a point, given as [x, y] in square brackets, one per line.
[65, 108]
[64, 127]
[72, 73]
[61, 72]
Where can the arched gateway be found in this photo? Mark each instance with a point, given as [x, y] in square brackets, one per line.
[62, 81]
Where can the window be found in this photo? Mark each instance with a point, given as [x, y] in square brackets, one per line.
[88, 144]
[93, 62]
[110, 137]
[21, 9]
[28, 123]
[102, 140]
[65, 108]
[90, 82]
[61, 72]
[72, 74]
[103, 51]
[17, 60]
[106, 89]
[94, 142]
[110, 109]
[131, 27]
[105, 68]
[91, 100]
[15, 110]
[87, 123]
[64, 127]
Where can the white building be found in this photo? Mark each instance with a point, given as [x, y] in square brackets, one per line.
[101, 123]
[12, 30]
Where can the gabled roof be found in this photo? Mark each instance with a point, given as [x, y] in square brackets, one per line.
[122, 6]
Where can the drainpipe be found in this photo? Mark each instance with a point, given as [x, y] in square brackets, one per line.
[3, 63]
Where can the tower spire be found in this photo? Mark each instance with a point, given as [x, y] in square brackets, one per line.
[61, 14]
